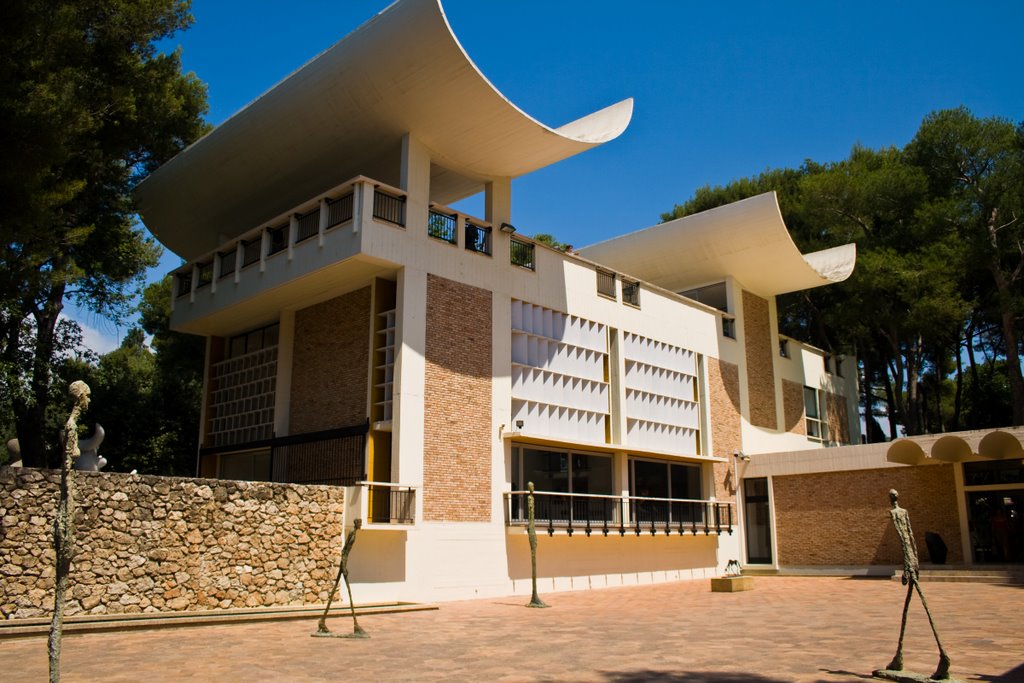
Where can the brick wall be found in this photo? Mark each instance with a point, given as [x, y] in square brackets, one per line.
[793, 407]
[164, 544]
[838, 417]
[724, 404]
[757, 334]
[457, 403]
[842, 518]
[330, 364]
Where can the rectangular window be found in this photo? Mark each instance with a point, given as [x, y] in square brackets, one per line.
[478, 238]
[839, 366]
[606, 283]
[814, 407]
[784, 348]
[521, 254]
[568, 473]
[729, 327]
[712, 295]
[656, 485]
[631, 292]
[828, 363]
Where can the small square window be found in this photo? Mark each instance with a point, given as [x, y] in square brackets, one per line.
[606, 283]
[631, 292]
[729, 327]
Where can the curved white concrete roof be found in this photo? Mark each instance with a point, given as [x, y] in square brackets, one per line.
[746, 239]
[343, 114]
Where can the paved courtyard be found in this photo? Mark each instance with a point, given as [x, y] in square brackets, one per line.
[787, 629]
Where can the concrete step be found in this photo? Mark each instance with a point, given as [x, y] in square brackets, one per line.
[91, 623]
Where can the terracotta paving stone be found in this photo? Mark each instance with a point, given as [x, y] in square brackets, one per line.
[786, 629]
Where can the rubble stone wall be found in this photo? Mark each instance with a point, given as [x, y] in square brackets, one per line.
[165, 544]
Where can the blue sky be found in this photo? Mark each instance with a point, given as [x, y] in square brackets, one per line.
[722, 90]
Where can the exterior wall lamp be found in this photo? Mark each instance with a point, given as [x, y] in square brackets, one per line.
[508, 228]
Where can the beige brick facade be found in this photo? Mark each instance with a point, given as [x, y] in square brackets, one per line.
[757, 333]
[457, 403]
[842, 518]
[724, 403]
[330, 364]
[793, 407]
[838, 418]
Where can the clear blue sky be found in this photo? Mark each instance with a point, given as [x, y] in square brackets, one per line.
[722, 90]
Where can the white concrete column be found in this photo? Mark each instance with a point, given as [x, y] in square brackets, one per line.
[239, 260]
[498, 210]
[293, 235]
[501, 400]
[285, 353]
[415, 180]
[362, 206]
[617, 386]
[322, 226]
[410, 372]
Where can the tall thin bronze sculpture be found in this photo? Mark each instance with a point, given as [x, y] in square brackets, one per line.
[64, 524]
[531, 531]
[321, 628]
[910, 579]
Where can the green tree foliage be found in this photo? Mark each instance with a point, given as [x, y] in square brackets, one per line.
[87, 107]
[545, 238]
[938, 276]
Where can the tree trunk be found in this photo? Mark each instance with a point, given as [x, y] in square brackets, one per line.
[30, 412]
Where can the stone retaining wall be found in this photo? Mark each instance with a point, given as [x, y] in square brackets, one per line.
[163, 544]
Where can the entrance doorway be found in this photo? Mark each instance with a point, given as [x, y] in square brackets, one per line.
[995, 524]
[757, 521]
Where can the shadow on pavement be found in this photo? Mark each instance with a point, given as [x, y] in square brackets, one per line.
[646, 675]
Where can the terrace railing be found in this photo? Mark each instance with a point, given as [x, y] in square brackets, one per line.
[575, 512]
[442, 226]
[334, 457]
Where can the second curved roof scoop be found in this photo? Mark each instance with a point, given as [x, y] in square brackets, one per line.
[747, 240]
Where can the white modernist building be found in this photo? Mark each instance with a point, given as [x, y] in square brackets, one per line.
[361, 333]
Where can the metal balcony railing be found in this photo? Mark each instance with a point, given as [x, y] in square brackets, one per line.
[334, 457]
[521, 254]
[478, 238]
[442, 226]
[619, 514]
[390, 503]
[389, 208]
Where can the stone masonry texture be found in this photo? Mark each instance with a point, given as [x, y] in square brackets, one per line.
[760, 361]
[165, 544]
[457, 403]
[842, 518]
[724, 403]
[793, 407]
[330, 364]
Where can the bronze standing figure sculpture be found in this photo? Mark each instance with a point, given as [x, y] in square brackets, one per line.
[910, 579]
[64, 523]
[321, 628]
[531, 531]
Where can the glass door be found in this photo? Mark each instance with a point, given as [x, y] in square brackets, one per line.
[757, 521]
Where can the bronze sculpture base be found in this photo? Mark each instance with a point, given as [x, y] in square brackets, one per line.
[911, 677]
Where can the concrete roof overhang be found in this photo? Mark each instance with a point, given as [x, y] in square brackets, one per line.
[957, 447]
[344, 114]
[747, 240]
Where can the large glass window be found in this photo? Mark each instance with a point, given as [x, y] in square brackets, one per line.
[667, 481]
[574, 475]
[756, 516]
[561, 471]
